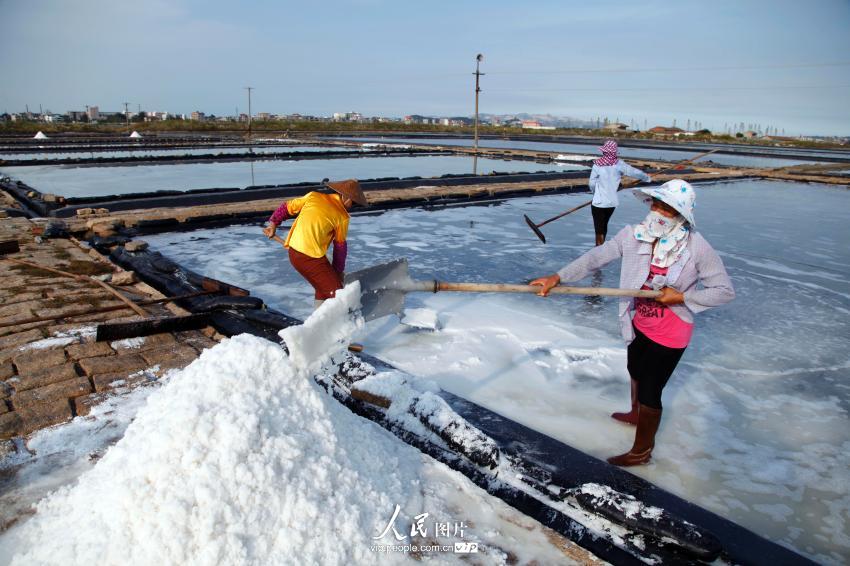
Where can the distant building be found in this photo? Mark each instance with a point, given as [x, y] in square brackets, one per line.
[198, 116]
[665, 131]
[262, 116]
[348, 117]
[751, 134]
[94, 113]
[76, 115]
[301, 118]
[535, 125]
[417, 119]
[616, 127]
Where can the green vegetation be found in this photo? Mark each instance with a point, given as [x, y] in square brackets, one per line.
[294, 128]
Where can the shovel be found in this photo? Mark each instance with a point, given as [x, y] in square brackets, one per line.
[384, 286]
[536, 227]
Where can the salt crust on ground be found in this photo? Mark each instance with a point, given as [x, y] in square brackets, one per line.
[242, 459]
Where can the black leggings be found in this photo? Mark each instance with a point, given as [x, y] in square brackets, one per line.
[651, 365]
[601, 216]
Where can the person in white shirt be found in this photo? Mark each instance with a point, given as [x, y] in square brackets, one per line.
[604, 183]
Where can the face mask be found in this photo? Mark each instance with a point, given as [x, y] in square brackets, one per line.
[669, 236]
[657, 225]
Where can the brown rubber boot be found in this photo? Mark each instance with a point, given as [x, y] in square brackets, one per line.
[632, 416]
[647, 426]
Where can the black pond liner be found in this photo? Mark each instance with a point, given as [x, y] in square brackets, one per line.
[562, 465]
[174, 198]
[31, 207]
[135, 160]
[841, 155]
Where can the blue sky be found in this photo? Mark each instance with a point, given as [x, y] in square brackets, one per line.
[779, 63]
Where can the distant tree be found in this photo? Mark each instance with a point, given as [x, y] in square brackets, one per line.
[704, 132]
[739, 135]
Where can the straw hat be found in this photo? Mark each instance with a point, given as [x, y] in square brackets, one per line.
[677, 193]
[349, 188]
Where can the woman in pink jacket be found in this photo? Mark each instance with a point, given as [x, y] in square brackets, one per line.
[662, 252]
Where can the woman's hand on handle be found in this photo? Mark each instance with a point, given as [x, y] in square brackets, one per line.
[546, 283]
[269, 231]
[670, 296]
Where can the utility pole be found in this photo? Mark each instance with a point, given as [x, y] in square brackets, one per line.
[478, 59]
[127, 116]
[249, 89]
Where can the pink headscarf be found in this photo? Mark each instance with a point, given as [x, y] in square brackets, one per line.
[609, 154]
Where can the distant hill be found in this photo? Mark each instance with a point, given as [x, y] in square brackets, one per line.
[544, 119]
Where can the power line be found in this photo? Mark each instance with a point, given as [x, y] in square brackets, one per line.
[656, 69]
[651, 88]
[638, 70]
[449, 75]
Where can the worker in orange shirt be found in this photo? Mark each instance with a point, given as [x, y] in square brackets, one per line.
[321, 218]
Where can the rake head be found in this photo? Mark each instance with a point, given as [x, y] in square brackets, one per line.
[534, 228]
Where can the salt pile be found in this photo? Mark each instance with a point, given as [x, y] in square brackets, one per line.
[135, 134]
[242, 459]
[39, 136]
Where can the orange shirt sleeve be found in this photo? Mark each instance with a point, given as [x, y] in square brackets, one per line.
[295, 205]
[341, 231]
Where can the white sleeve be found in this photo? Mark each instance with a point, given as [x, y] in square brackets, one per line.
[594, 178]
[627, 169]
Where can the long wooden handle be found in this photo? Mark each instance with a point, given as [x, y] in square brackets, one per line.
[140, 311]
[570, 211]
[631, 184]
[84, 312]
[557, 290]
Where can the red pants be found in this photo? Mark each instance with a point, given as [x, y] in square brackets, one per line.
[318, 272]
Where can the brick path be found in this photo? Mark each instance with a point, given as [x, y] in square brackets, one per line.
[53, 371]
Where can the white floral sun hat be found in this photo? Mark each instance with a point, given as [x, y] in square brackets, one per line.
[677, 193]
